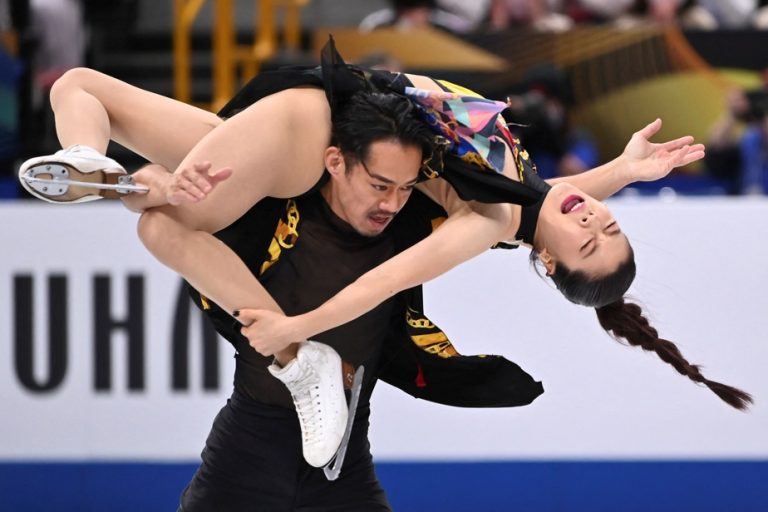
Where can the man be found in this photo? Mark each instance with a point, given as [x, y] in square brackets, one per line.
[303, 251]
[253, 456]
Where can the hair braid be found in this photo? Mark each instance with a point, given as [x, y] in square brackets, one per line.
[626, 320]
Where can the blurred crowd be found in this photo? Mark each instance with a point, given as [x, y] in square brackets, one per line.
[41, 39]
[54, 37]
[463, 16]
[737, 149]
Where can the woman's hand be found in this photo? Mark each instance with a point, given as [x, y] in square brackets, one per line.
[268, 332]
[194, 184]
[649, 161]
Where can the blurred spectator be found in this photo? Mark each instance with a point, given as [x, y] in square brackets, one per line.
[11, 71]
[475, 12]
[666, 11]
[754, 149]
[723, 159]
[720, 14]
[58, 43]
[631, 13]
[693, 14]
[598, 11]
[58, 27]
[760, 17]
[409, 14]
[461, 16]
[5, 16]
[541, 15]
[737, 150]
[540, 117]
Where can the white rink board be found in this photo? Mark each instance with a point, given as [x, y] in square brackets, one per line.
[702, 275]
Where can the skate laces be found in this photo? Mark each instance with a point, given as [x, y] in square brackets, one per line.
[305, 392]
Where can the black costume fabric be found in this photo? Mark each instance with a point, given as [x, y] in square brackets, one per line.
[252, 462]
[431, 371]
[291, 260]
[253, 456]
[417, 356]
[529, 215]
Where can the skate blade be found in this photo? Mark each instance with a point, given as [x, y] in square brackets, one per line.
[55, 181]
[333, 468]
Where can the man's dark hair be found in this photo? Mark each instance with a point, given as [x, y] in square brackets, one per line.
[372, 117]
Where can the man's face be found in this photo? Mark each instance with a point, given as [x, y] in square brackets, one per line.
[368, 194]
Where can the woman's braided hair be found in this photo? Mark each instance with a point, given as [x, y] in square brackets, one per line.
[625, 320]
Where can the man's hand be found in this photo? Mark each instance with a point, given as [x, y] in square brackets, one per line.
[194, 184]
[648, 161]
[268, 332]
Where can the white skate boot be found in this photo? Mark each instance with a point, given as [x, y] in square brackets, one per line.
[315, 382]
[75, 175]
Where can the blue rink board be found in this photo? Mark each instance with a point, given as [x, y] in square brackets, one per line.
[542, 486]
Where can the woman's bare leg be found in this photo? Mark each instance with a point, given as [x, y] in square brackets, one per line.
[275, 148]
[92, 108]
[280, 157]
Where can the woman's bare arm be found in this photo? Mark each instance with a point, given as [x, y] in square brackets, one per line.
[642, 160]
[464, 235]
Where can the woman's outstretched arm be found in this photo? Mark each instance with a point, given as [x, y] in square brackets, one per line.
[469, 230]
[642, 160]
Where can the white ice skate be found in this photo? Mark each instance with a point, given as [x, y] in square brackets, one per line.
[316, 382]
[76, 174]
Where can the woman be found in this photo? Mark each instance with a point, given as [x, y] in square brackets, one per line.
[575, 237]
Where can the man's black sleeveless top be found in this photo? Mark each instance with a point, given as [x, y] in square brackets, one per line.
[303, 254]
[325, 257]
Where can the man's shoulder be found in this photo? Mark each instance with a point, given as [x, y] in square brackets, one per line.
[416, 219]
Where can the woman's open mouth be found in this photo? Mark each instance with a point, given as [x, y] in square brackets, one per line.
[571, 203]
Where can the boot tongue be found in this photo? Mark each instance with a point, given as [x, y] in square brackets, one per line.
[288, 373]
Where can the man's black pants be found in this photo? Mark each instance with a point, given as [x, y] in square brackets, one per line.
[252, 461]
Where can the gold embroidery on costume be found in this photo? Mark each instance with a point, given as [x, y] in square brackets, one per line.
[285, 235]
[427, 336]
[420, 323]
[204, 302]
[432, 165]
[436, 343]
[518, 161]
[475, 159]
[522, 160]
